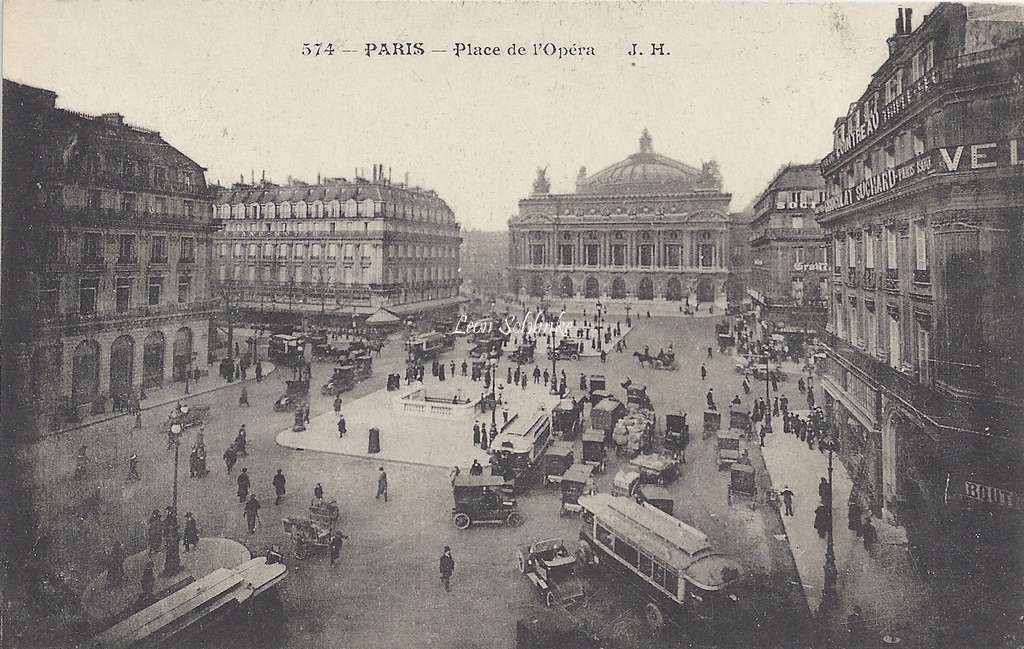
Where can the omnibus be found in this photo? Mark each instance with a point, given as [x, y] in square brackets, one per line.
[285, 348]
[664, 560]
[517, 449]
[426, 346]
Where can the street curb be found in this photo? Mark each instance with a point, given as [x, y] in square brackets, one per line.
[789, 547]
[352, 455]
[113, 416]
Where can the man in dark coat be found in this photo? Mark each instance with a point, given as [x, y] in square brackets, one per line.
[447, 568]
[115, 565]
[278, 482]
[190, 537]
[230, 457]
[342, 426]
[337, 541]
[476, 433]
[252, 512]
[243, 485]
[787, 499]
[154, 531]
[382, 484]
[824, 491]
[148, 580]
[821, 520]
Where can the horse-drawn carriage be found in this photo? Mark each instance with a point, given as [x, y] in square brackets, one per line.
[662, 361]
[523, 354]
[317, 531]
[567, 418]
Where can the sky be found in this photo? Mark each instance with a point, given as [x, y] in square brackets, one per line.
[751, 85]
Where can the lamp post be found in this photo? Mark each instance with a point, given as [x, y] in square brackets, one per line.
[172, 560]
[830, 596]
[600, 326]
[494, 390]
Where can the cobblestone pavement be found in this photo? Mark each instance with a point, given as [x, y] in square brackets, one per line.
[385, 591]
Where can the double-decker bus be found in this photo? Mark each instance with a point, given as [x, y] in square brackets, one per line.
[667, 562]
[516, 449]
[286, 349]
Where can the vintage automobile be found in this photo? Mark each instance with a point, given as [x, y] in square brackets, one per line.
[486, 348]
[567, 350]
[484, 500]
[523, 354]
[576, 481]
[297, 390]
[343, 379]
[318, 343]
[677, 431]
[656, 496]
[552, 569]
[315, 531]
[625, 483]
[727, 448]
[363, 364]
[606, 414]
[739, 419]
[742, 482]
[597, 383]
[567, 418]
[658, 469]
[558, 458]
[594, 452]
[712, 421]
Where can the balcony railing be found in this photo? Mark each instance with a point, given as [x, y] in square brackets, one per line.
[868, 282]
[922, 276]
[128, 260]
[851, 276]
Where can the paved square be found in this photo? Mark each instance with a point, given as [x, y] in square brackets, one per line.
[430, 439]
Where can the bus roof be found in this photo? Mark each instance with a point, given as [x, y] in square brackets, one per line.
[519, 439]
[664, 536]
[285, 337]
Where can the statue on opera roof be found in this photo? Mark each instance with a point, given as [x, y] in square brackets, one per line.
[541, 185]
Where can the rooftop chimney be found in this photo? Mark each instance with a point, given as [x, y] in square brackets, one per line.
[902, 31]
[908, 28]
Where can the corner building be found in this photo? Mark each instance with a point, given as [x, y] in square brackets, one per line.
[925, 193]
[789, 275]
[648, 230]
[106, 231]
[337, 250]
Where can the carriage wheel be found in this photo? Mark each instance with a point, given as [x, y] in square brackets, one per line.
[514, 520]
[654, 616]
[550, 599]
[461, 521]
[521, 561]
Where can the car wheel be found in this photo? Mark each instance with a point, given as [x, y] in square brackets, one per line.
[654, 616]
[521, 562]
[514, 519]
[550, 599]
[461, 521]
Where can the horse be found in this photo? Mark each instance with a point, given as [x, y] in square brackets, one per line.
[643, 358]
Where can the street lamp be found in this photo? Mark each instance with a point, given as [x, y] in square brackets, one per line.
[172, 560]
[494, 390]
[830, 596]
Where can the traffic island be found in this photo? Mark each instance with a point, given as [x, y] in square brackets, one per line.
[104, 606]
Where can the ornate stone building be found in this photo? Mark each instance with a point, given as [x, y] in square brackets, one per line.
[647, 229]
[925, 191]
[789, 274]
[336, 250]
[106, 232]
